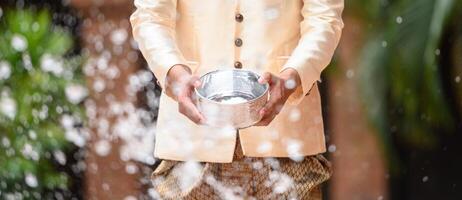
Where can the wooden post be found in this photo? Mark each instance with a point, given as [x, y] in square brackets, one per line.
[359, 170]
[106, 39]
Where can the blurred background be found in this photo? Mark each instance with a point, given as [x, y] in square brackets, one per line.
[78, 105]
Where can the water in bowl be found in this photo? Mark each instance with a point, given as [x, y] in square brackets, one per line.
[233, 98]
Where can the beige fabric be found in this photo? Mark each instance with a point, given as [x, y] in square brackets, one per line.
[244, 178]
[276, 34]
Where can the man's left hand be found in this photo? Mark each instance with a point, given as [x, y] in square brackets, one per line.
[281, 87]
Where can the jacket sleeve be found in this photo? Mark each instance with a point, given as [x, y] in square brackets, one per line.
[320, 28]
[153, 25]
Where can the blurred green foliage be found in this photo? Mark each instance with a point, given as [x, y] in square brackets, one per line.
[402, 81]
[35, 73]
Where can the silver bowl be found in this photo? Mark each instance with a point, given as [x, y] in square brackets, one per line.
[231, 98]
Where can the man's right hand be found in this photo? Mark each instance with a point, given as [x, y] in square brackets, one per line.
[180, 85]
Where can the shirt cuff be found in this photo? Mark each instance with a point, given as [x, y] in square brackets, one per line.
[162, 68]
[308, 77]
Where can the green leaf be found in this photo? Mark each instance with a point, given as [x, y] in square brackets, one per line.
[58, 42]
[401, 84]
[437, 108]
[35, 91]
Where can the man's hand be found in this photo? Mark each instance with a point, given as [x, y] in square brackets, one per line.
[180, 85]
[280, 89]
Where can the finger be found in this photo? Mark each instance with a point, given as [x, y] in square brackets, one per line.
[187, 106]
[265, 78]
[269, 110]
[195, 82]
[190, 110]
[274, 99]
[266, 120]
[263, 122]
[278, 108]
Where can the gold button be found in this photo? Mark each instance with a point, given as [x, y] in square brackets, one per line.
[238, 65]
[239, 17]
[238, 42]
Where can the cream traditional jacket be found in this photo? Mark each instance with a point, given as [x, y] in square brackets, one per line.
[257, 35]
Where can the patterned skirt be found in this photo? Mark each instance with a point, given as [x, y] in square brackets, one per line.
[244, 178]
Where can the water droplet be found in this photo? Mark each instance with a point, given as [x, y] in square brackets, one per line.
[32, 134]
[280, 182]
[130, 198]
[332, 148]
[29, 152]
[437, 52]
[264, 147]
[290, 84]
[149, 160]
[295, 115]
[99, 85]
[6, 142]
[399, 20]
[35, 26]
[119, 36]
[60, 157]
[105, 187]
[188, 173]
[7, 106]
[153, 194]
[425, 179]
[67, 121]
[293, 149]
[5, 70]
[31, 180]
[271, 14]
[131, 168]
[76, 93]
[51, 64]
[350, 73]
[103, 147]
[257, 165]
[19, 43]
[384, 44]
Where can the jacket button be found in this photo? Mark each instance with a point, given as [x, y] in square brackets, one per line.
[239, 17]
[238, 42]
[238, 65]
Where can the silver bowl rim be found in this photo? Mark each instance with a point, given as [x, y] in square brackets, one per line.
[221, 70]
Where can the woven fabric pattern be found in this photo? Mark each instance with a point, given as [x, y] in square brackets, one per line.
[244, 178]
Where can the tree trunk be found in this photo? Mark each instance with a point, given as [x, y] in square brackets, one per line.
[359, 168]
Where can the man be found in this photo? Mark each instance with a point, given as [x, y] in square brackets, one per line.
[289, 42]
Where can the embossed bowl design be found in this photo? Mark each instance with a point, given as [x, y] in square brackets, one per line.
[231, 98]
